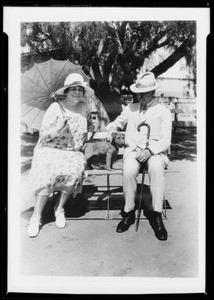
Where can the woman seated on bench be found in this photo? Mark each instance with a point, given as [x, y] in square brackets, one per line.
[58, 163]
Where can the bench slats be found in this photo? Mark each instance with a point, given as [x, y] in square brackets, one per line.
[119, 172]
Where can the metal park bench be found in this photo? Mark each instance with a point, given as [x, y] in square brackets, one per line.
[109, 192]
[118, 172]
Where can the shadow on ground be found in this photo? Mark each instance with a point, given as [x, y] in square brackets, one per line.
[82, 204]
[184, 145]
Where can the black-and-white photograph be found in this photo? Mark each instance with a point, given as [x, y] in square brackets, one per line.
[106, 151]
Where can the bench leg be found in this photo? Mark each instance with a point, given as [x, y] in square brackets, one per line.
[108, 198]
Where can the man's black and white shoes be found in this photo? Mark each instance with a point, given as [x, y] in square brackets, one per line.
[126, 222]
[155, 220]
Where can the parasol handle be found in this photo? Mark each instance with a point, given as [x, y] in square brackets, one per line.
[53, 96]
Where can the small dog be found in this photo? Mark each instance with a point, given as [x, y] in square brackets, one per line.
[97, 147]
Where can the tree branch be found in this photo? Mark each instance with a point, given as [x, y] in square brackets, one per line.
[100, 47]
[140, 58]
[112, 30]
[96, 69]
[108, 64]
[174, 57]
[32, 46]
[121, 31]
[155, 46]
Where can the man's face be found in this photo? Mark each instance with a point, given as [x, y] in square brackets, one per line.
[145, 98]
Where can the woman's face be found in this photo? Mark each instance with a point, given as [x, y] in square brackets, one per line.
[75, 94]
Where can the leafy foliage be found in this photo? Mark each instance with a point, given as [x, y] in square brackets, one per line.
[112, 53]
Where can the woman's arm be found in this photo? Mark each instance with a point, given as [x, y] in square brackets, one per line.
[50, 124]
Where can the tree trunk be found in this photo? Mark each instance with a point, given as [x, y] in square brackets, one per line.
[174, 57]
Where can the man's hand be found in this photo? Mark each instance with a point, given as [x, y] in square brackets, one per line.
[109, 136]
[142, 155]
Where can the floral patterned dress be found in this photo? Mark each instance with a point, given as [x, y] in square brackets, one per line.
[58, 163]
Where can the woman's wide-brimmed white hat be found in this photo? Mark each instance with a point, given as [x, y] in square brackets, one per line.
[75, 79]
[145, 83]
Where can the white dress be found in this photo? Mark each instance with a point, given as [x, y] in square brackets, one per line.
[58, 163]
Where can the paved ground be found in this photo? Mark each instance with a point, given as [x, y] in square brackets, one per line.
[90, 246]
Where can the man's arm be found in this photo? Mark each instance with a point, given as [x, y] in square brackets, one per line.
[119, 122]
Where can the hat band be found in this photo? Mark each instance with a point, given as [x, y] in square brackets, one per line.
[139, 85]
[76, 83]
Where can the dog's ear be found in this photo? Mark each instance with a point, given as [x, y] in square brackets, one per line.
[114, 134]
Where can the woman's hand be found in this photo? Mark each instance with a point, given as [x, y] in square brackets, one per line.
[142, 155]
[62, 126]
[60, 97]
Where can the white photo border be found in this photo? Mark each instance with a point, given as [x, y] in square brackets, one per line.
[13, 17]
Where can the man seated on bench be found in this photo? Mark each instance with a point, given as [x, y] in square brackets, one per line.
[154, 156]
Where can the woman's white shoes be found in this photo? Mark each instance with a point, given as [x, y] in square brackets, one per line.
[34, 224]
[33, 228]
[60, 218]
